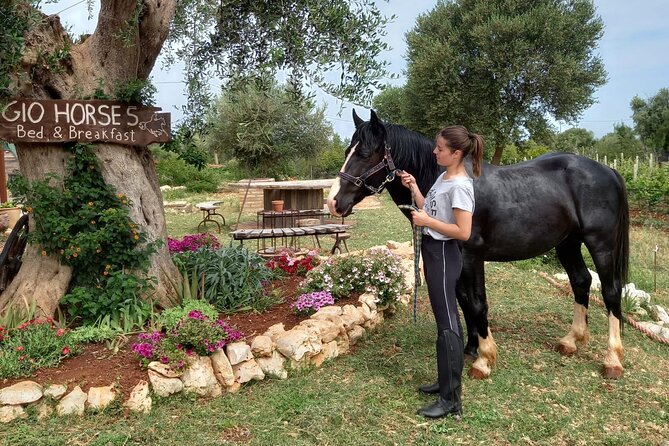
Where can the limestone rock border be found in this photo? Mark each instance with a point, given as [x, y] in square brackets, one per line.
[325, 335]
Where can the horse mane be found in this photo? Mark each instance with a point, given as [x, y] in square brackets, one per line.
[412, 152]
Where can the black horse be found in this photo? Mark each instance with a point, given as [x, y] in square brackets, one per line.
[557, 200]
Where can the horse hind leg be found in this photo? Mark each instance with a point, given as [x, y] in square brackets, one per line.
[569, 254]
[611, 291]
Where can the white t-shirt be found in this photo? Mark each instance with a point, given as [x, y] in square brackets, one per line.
[443, 197]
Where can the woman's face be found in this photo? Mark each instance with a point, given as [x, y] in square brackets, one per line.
[445, 156]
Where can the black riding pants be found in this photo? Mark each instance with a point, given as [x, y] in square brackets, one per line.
[442, 264]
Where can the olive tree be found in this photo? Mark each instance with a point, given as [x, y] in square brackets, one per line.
[41, 60]
[502, 68]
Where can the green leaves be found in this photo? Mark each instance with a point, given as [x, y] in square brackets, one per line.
[234, 277]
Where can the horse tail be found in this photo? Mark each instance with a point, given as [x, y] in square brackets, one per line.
[622, 249]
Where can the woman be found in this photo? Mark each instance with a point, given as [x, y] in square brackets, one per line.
[446, 217]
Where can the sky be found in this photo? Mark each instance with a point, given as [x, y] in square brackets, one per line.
[634, 50]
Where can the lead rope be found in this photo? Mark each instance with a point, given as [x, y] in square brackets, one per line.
[417, 239]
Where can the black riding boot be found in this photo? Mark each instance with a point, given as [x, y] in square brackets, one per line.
[450, 361]
[433, 389]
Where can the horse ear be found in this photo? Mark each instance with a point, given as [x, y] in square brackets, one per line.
[375, 122]
[357, 120]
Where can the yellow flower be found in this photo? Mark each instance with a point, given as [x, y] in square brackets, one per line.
[136, 237]
[43, 253]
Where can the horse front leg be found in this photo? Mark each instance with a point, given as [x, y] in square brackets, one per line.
[474, 275]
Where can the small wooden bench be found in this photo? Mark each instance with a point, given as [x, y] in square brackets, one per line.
[284, 233]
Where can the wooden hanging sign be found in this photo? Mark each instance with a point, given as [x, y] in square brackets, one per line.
[49, 121]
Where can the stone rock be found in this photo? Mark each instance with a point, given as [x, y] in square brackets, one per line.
[262, 346]
[234, 388]
[139, 400]
[317, 360]
[330, 350]
[374, 321]
[639, 296]
[405, 299]
[367, 312]
[73, 403]
[222, 368]
[199, 378]
[11, 413]
[352, 316]
[164, 370]
[101, 397]
[393, 245]
[273, 366]
[164, 386]
[369, 299]
[43, 410]
[275, 331]
[296, 343]
[660, 314]
[330, 309]
[337, 320]
[652, 327]
[238, 352]
[343, 344]
[325, 330]
[355, 334]
[23, 392]
[248, 371]
[55, 391]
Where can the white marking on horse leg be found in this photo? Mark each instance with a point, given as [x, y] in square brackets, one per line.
[577, 334]
[336, 185]
[487, 358]
[613, 367]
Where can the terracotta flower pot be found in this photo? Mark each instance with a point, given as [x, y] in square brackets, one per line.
[13, 215]
[277, 205]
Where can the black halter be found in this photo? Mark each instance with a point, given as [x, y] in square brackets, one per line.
[386, 162]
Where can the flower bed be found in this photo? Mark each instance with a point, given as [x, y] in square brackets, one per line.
[329, 332]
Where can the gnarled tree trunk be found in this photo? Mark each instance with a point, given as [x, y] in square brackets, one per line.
[120, 50]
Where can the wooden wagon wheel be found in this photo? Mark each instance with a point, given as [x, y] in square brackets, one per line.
[10, 259]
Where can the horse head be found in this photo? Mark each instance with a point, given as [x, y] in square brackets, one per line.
[367, 168]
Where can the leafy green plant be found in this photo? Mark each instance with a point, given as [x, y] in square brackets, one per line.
[7, 205]
[234, 277]
[171, 316]
[174, 171]
[87, 334]
[32, 345]
[83, 221]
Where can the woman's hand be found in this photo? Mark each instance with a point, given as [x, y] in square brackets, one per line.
[408, 180]
[420, 218]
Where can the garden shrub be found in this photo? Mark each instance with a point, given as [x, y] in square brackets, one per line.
[33, 345]
[287, 264]
[192, 242]
[377, 271]
[234, 277]
[171, 316]
[174, 171]
[196, 333]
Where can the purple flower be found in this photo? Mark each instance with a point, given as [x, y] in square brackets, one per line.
[312, 302]
[197, 315]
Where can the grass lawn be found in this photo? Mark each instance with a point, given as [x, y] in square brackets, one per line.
[533, 397]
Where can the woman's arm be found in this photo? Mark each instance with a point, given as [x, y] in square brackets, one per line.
[460, 230]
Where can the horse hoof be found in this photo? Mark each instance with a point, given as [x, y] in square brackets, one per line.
[566, 350]
[612, 372]
[475, 373]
